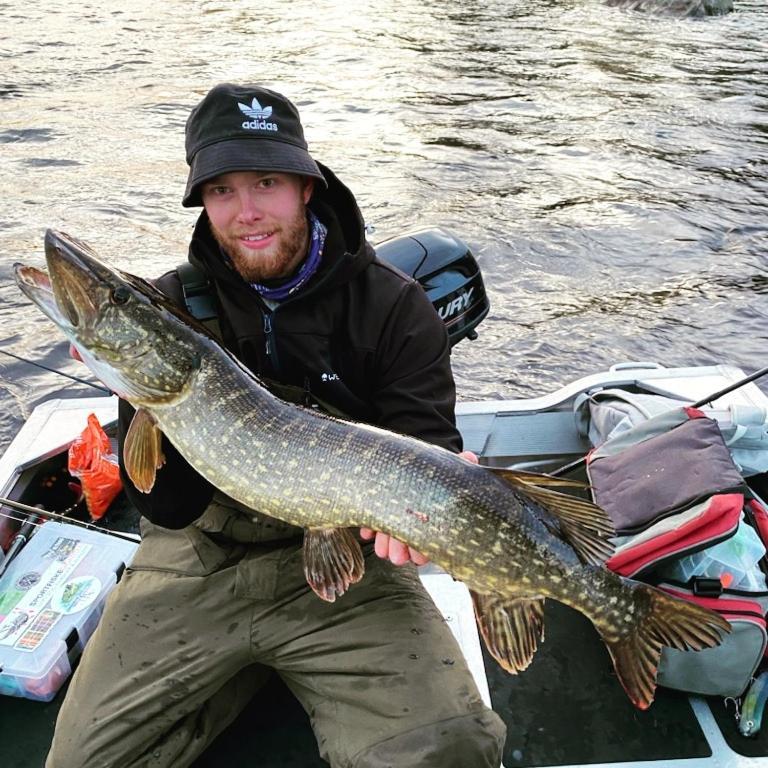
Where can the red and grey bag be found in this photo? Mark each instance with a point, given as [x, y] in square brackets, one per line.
[674, 536]
[678, 503]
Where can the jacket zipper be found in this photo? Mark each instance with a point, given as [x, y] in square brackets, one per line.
[268, 333]
[269, 341]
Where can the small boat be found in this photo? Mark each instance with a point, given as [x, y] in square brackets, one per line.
[566, 709]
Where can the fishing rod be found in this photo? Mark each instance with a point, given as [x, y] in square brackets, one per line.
[704, 401]
[53, 370]
[59, 518]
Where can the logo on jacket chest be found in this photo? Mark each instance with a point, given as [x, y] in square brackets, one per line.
[325, 377]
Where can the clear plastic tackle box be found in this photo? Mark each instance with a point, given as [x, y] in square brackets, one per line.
[51, 598]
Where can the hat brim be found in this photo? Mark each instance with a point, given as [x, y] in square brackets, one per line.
[257, 154]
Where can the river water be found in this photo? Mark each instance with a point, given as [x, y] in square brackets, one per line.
[607, 168]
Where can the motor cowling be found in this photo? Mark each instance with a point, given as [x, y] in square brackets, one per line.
[448, 272]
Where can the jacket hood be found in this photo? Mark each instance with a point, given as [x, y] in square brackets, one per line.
[346, 252]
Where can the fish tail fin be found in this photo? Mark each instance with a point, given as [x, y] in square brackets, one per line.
[663, 621]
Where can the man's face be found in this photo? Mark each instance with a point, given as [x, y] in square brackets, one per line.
[260, 220]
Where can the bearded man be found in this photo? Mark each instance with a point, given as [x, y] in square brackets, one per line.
[216, 598]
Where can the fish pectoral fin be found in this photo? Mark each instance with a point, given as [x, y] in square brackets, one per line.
[511, 629]
[519, 478]
[142, 450]
[333, 561]
[584, 525]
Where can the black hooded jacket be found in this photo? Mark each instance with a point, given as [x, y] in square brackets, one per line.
[360, 336]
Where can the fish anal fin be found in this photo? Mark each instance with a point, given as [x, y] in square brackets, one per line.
[584, 525]
[511, 629]
[664, 620]
[333, 560]
[142, 450]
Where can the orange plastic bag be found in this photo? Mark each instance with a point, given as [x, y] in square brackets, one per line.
[91, 461]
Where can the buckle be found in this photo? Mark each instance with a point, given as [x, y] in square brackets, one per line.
[705, 587]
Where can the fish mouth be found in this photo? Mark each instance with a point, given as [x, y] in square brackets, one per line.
[113, 319]
[73, 289]
[35, 284]
[37, 287]
[73, 293]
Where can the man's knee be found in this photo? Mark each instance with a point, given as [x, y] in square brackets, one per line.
[67, 751]
[468, 741]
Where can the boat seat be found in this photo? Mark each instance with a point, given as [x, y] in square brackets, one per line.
[494, 436]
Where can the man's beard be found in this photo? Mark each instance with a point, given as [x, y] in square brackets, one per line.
[280, 260]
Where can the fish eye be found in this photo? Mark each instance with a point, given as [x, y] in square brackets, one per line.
[119, 295]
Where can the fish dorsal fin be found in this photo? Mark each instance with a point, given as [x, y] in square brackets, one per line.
[142, 450]
[333, 561]
[511, 630]
[585, 526]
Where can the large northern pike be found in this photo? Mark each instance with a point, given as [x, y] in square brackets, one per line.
[512, 542]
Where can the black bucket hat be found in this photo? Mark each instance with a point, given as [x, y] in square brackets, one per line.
[244, 128]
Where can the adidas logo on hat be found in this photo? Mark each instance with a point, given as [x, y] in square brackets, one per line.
[258, 113]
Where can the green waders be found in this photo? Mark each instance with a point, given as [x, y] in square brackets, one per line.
[187, 634]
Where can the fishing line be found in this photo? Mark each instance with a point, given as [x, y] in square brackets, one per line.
[53, 370]
[20, 519]
[60, 518]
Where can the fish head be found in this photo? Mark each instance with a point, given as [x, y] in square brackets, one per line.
[125, 330]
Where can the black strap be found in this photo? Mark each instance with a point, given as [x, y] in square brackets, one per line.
[198, 296]
[292, 393]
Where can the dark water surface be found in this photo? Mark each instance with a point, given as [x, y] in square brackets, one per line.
[607, 168]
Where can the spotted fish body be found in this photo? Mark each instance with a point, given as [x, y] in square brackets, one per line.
[313, 471]
[510, 540]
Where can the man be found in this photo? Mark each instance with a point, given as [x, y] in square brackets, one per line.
[216, 594]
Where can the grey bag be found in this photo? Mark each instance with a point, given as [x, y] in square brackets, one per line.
[608, 413]
[653, 476]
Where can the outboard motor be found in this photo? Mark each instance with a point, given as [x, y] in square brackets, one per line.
[447, 271]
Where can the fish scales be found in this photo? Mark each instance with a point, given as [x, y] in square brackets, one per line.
[509, 538]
